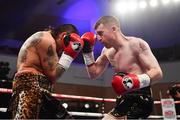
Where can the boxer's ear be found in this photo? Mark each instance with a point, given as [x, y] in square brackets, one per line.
[60, 38]
[114, 28]
[66, 39]
[61, 35]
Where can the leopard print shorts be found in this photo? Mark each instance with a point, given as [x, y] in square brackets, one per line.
[27, 95]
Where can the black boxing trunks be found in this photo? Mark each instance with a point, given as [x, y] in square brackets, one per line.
[31, 98]
[133, 105]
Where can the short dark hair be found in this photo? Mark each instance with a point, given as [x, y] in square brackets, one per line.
[70, 28]
[107, 19]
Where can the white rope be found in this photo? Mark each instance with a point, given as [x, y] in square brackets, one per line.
[62, 96]
[102, 115]
[88, 114]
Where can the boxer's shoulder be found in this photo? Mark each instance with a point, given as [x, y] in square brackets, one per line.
[38, 34]
[43, 37]
[136, 43]
[134, 40]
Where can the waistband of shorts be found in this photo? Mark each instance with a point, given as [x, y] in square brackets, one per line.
[28, 74]
[31, 73]
[25, 78]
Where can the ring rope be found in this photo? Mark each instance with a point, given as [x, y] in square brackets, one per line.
[73, 113]
[102, 115]
[60, 96]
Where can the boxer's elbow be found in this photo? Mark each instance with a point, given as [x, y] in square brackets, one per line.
[91, 72]
[156, 75]
[92, 75]
[51, 75]
[94, 72]
[96, 76]
[160, 74]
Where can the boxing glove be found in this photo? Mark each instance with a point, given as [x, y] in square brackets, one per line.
[72, 44]
[127, 82]
[89, 42]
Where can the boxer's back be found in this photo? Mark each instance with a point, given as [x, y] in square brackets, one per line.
[28, 59]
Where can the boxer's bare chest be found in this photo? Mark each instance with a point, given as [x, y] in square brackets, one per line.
[124, 60]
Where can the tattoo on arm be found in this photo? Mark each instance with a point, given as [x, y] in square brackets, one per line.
[49, 56]
[49, 59]
[35, 42]
[24, 53]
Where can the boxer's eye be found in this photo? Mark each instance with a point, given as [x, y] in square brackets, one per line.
[100, 33]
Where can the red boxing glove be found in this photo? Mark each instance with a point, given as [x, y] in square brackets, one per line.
[72, 45]
[89, 41]
[123, 83]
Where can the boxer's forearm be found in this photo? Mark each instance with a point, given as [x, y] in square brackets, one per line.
[59, 71]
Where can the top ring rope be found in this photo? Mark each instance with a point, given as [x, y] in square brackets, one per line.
[60, 96]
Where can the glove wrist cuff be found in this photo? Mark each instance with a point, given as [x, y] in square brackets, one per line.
[88, 58]
[144, 80]
[65, 61]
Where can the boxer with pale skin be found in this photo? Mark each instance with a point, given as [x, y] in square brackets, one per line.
[134, 65]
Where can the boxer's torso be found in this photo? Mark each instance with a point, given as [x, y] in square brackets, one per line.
[125, 59]
[28, 57]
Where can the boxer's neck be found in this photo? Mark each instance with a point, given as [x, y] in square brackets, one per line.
[120, 41]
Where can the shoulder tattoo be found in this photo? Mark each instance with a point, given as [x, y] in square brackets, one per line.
[35, 42]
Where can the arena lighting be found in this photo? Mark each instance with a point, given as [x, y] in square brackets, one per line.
[128, 6]
[142, 4]
[121, 7]
[65, 105]
[86, 105]
[132, 5]
[165, 2]
[176, 0]
[96, 105]
[125, 6]
[153, 3]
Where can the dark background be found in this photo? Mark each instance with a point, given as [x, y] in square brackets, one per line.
[159, 26]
